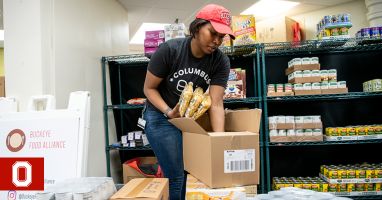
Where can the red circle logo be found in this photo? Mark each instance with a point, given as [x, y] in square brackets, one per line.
[15, 140]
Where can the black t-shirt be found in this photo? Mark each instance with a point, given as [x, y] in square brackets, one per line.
[174, 62]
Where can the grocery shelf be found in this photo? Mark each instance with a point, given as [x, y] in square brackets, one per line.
[240, 50]
[112, 147]
[278, 144]
[226, 101]
[317, 46]
[347, 96]
[127, 59]
[125, 106]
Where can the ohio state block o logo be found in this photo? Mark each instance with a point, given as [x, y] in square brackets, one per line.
[15, 140]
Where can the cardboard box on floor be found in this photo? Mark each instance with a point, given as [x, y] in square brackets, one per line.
[130, 173]
[144, 189]
[223, 159]
[2, 86]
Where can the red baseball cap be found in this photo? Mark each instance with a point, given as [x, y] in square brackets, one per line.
[219, 17]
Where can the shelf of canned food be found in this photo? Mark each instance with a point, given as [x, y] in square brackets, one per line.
[352, 180]
[353, 133]
[367, 193]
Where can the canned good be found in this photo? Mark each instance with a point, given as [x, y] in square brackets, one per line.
[374, 32]
[297, 185]
[307, 73]
[297, 74]
[334, 32]
[288, 87]
[291, 132]
[281, 119]
[370, 130]
[378, 129]
[271, 88]
[297, 86]
[316, 118]
[341, 187]
[377, 187]
[341, 84]
[308, 119]
[314, 60]
[279, 87]
[324, 86]
[297, 61]
[333, 174]
[344, 31]
[365, 32]
[350, 187]
[316, 86]
[324, 75]
[307, 186]
[368, 187]
[332, 85]
[342, 174]
[307, 86]
[282, 133]
[305, 61]
[370, 172]
[378, 172]
[328, 19]
[341, 131]
[315, 186]
[299, 132]
[346, 17]
[359, 187]
[308, 132]
[350, 173]
[351, 131]
[334, 19]
[360, 173]
[332, 187]
[330, 131]
[273, 133]
[360, 130]
[317, 132]
[332, 74]
[324, 187]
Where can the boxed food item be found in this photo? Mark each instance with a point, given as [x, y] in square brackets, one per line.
[215, 157]
[144, 189]
[173, 31]
[244, 29]
[153, 42]
[236, 86]
[154, 34]
[150, 50]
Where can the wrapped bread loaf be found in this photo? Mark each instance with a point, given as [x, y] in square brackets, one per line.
[185, 98]
[197, 98]
[203, 107]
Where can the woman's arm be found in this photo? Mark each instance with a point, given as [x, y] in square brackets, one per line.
[216, 111]
[150, 89]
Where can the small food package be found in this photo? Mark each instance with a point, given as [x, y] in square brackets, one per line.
[197, 98]
[185, 98]
[203, 107]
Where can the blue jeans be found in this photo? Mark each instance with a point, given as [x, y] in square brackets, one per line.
[166, 141]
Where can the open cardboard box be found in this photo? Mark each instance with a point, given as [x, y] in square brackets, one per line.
[223, 159]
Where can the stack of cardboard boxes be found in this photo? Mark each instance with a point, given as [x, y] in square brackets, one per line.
[221, 164]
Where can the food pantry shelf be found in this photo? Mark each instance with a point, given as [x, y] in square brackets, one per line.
[226, 101]
[113, 147]
[277, 144]
[317, 46]
[127, 59]
[350, 95]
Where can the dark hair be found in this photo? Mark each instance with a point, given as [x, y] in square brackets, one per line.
[196, 25]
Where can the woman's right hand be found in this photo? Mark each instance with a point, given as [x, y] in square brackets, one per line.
[174, 113]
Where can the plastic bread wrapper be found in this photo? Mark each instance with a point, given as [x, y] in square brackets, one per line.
[196, 100]
[185, 98]
[203, 107]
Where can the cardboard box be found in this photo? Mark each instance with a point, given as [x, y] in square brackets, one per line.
[195, 189]
[294, 68]
[144, 189]
[335, 91]
[296, 138]
[309, 125]
[130, 173]
[307, 92]
[211, 156]
[2, 86]
[279, 126]
[280, 94]
[305, 80]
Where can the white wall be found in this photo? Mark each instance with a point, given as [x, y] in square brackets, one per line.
[357, 10]
[273, 29]
[55, 47]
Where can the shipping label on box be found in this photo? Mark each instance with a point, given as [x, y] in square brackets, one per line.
[236, 161]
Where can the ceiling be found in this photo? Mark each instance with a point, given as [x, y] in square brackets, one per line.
[166, 11]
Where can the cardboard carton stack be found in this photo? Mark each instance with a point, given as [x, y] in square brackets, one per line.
[236, 87]
[295, 128]
[152, 41]
[222, 159]
[306, 78]
[144, 189]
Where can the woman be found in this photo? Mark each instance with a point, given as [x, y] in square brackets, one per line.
[194, 59]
